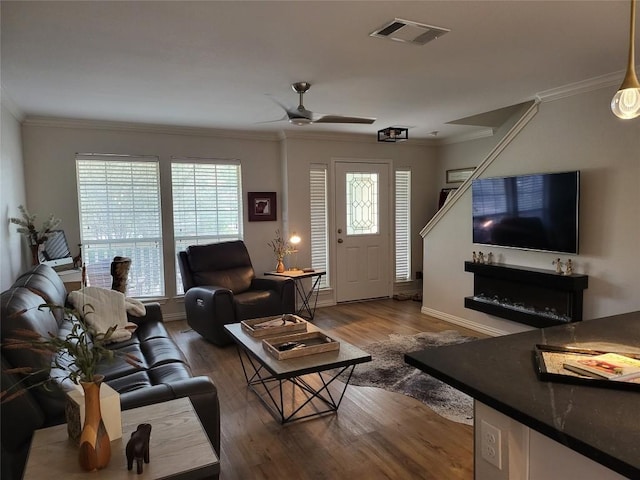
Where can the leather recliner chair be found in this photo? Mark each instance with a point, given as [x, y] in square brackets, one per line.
[221, 287]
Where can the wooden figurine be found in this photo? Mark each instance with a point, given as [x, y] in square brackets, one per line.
[558, 263]
[138, 447]
[569, 267]
[120, 272]
[475, 258]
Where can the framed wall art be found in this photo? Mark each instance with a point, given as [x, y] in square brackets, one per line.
[459, 175]
[262, 207]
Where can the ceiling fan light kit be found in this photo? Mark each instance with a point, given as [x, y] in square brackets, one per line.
[393, 134]
[626, 102]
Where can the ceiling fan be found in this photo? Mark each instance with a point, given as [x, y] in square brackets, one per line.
[301, 116]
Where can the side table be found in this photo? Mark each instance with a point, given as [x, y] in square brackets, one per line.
[306, 310]
[179, 448]
[72, 279]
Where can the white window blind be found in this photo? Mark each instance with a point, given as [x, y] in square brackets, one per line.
[403, 225]
[489, 197]
[319, 221]
[119, 202]
[530, 194]
[207, 204]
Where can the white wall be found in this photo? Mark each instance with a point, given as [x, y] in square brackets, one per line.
[574, 133]
[301, 152]
[49, 158]
[268, 164]
[14, 257]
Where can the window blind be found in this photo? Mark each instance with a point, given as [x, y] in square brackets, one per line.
[319, 221]
[403, 225]
[207, 204]
[119, 203]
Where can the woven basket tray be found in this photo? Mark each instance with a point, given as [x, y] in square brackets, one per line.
[311, 343]
[255, 328]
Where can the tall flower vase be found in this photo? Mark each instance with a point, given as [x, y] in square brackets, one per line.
[280, 266]
[35, 258]
[95, 446]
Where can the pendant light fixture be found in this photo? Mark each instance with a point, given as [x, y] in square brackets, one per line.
[626, 103]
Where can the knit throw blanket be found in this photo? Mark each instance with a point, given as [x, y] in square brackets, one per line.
[106, 308]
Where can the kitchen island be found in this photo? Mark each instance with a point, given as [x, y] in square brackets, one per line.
[543, 424]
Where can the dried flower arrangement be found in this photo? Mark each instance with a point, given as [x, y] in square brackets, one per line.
[28, 229]
[280, 246]
[77, 355]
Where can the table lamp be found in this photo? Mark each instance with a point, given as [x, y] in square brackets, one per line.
[295, 240]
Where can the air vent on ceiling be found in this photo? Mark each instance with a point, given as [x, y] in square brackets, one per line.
[409, 32]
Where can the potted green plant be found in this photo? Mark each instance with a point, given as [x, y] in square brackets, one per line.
[76, 356]
[35, 238]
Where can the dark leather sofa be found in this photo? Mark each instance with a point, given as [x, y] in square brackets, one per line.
[221, 287]
[162, 375]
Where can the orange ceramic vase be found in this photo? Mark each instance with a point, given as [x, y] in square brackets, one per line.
[95, 446]
[280, 266]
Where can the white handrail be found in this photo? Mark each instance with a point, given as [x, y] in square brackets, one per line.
[497, 150]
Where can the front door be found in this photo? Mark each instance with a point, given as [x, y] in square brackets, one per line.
[362, 231]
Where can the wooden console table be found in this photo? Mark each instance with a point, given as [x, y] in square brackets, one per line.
[179, 448]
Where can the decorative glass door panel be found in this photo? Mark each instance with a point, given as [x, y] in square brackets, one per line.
[362, 203]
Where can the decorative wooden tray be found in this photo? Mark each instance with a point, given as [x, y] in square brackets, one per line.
[282, 325]
[301, 344]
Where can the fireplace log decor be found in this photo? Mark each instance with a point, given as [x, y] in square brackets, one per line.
[536, 297]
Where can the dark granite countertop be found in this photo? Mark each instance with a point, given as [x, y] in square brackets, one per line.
[600, 423]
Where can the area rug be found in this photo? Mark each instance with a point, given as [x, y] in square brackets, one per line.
[388, 370]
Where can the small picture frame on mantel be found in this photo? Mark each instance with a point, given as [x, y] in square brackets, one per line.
[262, 206]
[459, 175]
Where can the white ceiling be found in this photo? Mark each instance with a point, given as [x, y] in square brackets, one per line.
[214, 64]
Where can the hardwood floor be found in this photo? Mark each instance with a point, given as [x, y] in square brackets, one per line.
[375, 434]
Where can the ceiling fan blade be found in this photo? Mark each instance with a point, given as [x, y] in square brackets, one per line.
[344, 119]
[284, 117]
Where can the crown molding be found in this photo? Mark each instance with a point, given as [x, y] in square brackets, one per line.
[349, 137]
[467, 137]
[584, 86]
[57, 122]
[281, 135]
[10, 105]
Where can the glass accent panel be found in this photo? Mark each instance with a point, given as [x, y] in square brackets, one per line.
[362, 203]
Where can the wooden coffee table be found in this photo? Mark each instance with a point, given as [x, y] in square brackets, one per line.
[179, 448]
[312, 375]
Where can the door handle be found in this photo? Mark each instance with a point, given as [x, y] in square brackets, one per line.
[340, 240]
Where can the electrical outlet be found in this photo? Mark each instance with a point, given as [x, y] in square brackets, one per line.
[491, 444]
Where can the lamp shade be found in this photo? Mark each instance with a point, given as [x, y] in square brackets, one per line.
[626, 102]
[295, 239]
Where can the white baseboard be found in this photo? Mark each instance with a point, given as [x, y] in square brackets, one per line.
[463, 322]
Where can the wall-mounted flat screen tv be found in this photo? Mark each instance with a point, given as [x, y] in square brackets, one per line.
[533, 212]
